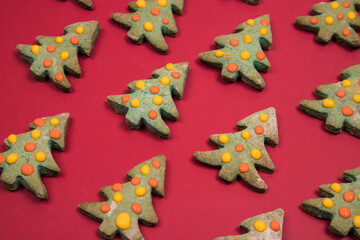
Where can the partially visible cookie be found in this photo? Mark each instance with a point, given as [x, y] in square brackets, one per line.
[268, 226]
[252, 2]
[87, 4]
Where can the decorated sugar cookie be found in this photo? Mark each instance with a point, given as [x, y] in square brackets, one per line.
[335, 19]
[129, 203]
[29, 155]
[151, 20]
[56, 55]
[340, 204]
[87, 4]
[340, 104]
[240, 55]
[268, 226]
[243, 153]
[151, 100]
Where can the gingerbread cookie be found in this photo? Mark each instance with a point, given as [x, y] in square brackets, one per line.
[57, 55]
[128, 203]
[340, 107]
[340, 205]
[150, 21]
[243, 153]
[336, 19]
[240, 54]
[29, 155]
[151, 100]
[87, 4]
[268, 226]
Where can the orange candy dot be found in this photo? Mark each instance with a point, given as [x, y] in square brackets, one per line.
[116, 187]
[264, 22]
[27, 169]
[340, 16]
[344, 212]
[39, 122]
[155, 11]
[314, 20]
[340, 93]
[1, 159]
[59, 77]
[152, 114]
[135, 181]
[154, 89]
[347, 111]
[30, 147]
[136, 208]
[239, 148]
[153, 182]
[55, 134]
[125, 99]
[175, 75]
[346, 32]
[346, 4]
[165, 21]
[74, 40]
[50, 48]
[135, 18]
[234, 42]
[259, 130]
[156, 164]
[260, 55]
[232, 67]
[47, 63]
[275, 225]
[105, 208]
[244, 167]
[349, 196]
[236, 239]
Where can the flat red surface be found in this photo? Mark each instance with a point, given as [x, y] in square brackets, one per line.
[101, 148]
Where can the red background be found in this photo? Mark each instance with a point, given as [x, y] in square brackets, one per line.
[101, 148]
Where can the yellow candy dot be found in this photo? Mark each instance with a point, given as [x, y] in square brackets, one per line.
[223, 138]
[328, 103]
[64, 55]
[140, 3]
[123, 221]
[245, 55]
[359, 196]
[59, 39]
[145, 170]
[334, 5]
[263, 31]
[351, 15]
[263, 117]
[245, 134]
[336, 187]
[165, 80]
[12, 138]
[255, 154]
[329, 20]
[247, 39]
[35, 134]
[356, 221]
[356, 98]
[328, 203]
[226, 157]
[346, 83]
[170, 66]
[12, 158]
[79, 30]
[140, 84]
[40, 156]
[54, 121]
[162, 3]
[35, 49]
[219, 53]
[260, 226]
[148, 26]
[250, 22]
[118, 197]
[135, 103]
[140, 191]
[157, 100]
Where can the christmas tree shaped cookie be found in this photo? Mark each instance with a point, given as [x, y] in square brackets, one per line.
[252, 2]
[335, 19]
[268, 226]
[87, 4]
[240, 55]
[29, 155]
[150, 20]
[340, 106]
[151, 100]
[340, 205]
[243, 153]
[128, 203]
[57, 55]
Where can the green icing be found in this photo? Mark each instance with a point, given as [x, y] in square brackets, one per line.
[12, 175]
[138, 116]
[138, 33]
[267, 234]
[108, 228]
[230, 170]
[338, 225]
[86, 41]
[252, 2]
[230, 54]
[335, 119]
[87, 4]
[325, 32]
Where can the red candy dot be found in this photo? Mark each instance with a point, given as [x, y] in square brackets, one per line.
[74, 40]
[47, 63]
[239, 148]
[136, 208]
[135, 18]
[346, 4]
[244, 167]
[346, 32]
[27, 169]
[30, 147]
[314, 20]
[59, 77]
[154, 89]
[175, 75]
[347, 111]
[153, 182]
[340, 16]
[135, 181]
[234, 42]
[55, 134]
[232, 67]
[349, 196]
[156, 164]
[50, 48]
[152, 114]
[155, 11]
[125, 99]
[1, 159]
[260, 55]
[39, 122]
[105, 208]
[165, 21]
[116, 187]
[344, 212]
[275, 225]
[259, 130]
[264, 22]
[340, 93]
